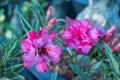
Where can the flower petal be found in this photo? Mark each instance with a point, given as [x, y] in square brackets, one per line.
[33, 35]
[54, 52]
[67, 34]
[37, 43]
[38, 58]
[26, 45]
[45, 36]
[84, 49]
[28, 59]
[42, 66]
[101, 30]
[86, 22]
[53, 36]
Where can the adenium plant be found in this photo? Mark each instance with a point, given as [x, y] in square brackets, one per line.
[78, 37]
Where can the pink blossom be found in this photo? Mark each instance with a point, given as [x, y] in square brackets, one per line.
[80, 35]
[38, 49]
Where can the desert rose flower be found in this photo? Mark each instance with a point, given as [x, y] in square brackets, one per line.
[80, 35]
[39, 49]
[112, 43]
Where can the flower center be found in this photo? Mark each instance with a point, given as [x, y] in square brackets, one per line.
[42, 51]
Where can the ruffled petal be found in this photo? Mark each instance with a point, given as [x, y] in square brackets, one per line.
[67, 34]
[28, 59]
[75, 23]
[54, 52]
[26, 45]
[33, 35]
[42, 66]
[37, 43]
[53, 36]
[45, 36]
[84, 49]
[38, 58]
[86, 23]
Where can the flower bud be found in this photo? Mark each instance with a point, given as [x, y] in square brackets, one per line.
[49, 12]
[116, 47]
[115, 40]
[110, 33]
[51, 23]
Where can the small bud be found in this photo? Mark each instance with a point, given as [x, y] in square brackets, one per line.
[116, 47]
[110, 33]
[51, 23]
[115, 40]
[49, 12]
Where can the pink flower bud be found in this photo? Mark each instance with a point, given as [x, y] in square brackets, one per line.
[51, 23]
[110, 33]
[115, 40]
[49, 12]
[116, 47]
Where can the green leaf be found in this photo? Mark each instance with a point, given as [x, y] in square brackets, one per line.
[37, 19]
[12, 45]
[38, 9]
[53, 76]
[79, 72]
[112, 60]
[23, 25]
[22, 17]
[19, 32]
[104, 71]
[18, 77]
[15, 66]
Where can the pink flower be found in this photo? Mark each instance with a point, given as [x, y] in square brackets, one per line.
[80, 35]
[38, 49]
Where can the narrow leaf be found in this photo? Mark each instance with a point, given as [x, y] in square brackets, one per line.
[37, 19]
[20, 14]
[9, 50]
[23, 25]
[79, 72]
[112, 60]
